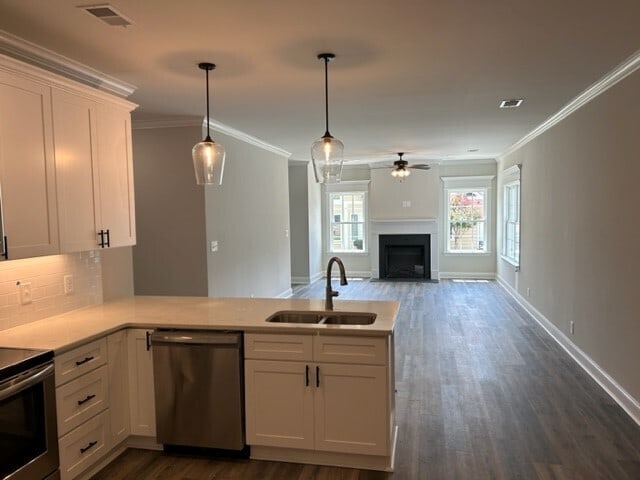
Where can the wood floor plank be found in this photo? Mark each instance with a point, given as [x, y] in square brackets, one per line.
[482, 393]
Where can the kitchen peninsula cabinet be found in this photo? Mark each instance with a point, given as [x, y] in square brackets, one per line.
[27, 176]
[141, 390]
[324, 394]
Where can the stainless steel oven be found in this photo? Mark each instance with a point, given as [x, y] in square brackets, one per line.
[28, 428]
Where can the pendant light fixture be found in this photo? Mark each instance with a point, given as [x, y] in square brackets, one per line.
[208, 156]
[327, 152]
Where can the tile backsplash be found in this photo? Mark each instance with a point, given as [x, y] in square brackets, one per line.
[46, 276]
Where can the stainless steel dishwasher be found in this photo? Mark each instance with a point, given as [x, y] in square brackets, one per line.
[199, 391]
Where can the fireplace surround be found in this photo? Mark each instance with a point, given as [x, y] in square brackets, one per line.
[428, 226]
[404, 256]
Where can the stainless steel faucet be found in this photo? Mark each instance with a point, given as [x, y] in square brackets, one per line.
[328, 303]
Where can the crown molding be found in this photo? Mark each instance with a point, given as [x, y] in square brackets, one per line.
[166, 122]
[244, 137]
[28, 52]
[616, 75]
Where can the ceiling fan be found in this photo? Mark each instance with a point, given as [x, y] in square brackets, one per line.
[401, 168]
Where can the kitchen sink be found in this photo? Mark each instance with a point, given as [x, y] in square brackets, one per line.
[323, 318]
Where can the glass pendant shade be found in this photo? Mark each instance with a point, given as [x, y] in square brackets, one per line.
[208, 156]
[327, 155]
[208, 162]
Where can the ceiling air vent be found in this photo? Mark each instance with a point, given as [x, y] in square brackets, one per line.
[107, 14]
[513, 103]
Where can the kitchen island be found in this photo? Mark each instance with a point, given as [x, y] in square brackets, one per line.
[314, 393]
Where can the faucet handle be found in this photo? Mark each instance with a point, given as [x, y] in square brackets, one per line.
[334, 293]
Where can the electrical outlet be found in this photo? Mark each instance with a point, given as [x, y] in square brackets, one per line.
[25, 293]
[572, 327]
[68, 284]
[214, 245]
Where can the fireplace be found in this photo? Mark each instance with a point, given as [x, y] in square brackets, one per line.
[406, 228]
[404, 256]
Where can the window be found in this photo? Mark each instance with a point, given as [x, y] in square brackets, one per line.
[511, 216]
[467, 221]
[467, 204]
[347, 226]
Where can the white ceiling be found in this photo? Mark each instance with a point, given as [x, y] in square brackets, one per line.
[419, 76]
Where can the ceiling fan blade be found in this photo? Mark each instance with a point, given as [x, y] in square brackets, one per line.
[421, 166]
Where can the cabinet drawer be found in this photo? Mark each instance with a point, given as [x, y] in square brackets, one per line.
[81, 399]
[346, 349]
[82, 447]
[74, 363]
[271, 346]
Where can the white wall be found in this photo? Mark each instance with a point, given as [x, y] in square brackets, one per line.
[580, 229]
[316, 264]
[170, 254]
[249, 218]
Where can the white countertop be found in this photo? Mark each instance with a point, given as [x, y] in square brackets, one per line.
[66, 331]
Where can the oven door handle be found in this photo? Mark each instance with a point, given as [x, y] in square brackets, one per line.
[24, 381]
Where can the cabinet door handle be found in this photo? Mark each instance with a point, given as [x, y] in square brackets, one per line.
[5, 250]
[317, 376]
[86, 399]
[101, 235]
[108, 242]
[148, 340]
[81, 362]
[306, 375]
[88, 447]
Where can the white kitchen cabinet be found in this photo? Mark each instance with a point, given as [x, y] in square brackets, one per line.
[313, 405]
[94, 173]
[141, 390]
[27, 177]
[115, 175]
[74, 119]
[279, 404]
[118, 374]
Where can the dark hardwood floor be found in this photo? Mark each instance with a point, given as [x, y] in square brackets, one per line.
[482, 393]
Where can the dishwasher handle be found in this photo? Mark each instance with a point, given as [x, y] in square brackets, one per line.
[195, 338]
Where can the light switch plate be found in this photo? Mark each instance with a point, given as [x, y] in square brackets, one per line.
[25, 293]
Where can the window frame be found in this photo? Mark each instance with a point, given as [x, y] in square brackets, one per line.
[346, 188]
[511, 178]
[479, 183]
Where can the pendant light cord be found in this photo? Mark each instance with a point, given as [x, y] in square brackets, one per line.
[208, 139]
[326, 97]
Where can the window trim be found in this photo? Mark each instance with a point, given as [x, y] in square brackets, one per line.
[466, 183]
[345, 187]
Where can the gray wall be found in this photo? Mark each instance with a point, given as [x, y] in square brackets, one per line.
[249, 218]
[580, 229]
[117, 273]
[306, 223]
[170, 254]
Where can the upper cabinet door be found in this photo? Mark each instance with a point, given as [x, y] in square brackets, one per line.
[27, 176]
[74, 124]
[115, 175]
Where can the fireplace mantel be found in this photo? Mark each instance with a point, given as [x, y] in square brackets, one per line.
[404, 226]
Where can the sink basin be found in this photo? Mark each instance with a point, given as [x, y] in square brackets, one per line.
[323, 318]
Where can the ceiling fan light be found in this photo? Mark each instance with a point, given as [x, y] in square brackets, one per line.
[208, 162]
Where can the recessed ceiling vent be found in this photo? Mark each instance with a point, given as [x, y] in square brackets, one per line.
[513, 103]
[107, 14]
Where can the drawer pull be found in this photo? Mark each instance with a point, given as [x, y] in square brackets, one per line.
[306, 375]
[81, 362]
[88, 447]
[317, 376]
[87, 398]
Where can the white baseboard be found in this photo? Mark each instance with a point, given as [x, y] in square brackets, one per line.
[286, 294]
[300, 280]
[478, 275]
[628, 403]
[316, 276]
[350, 274]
